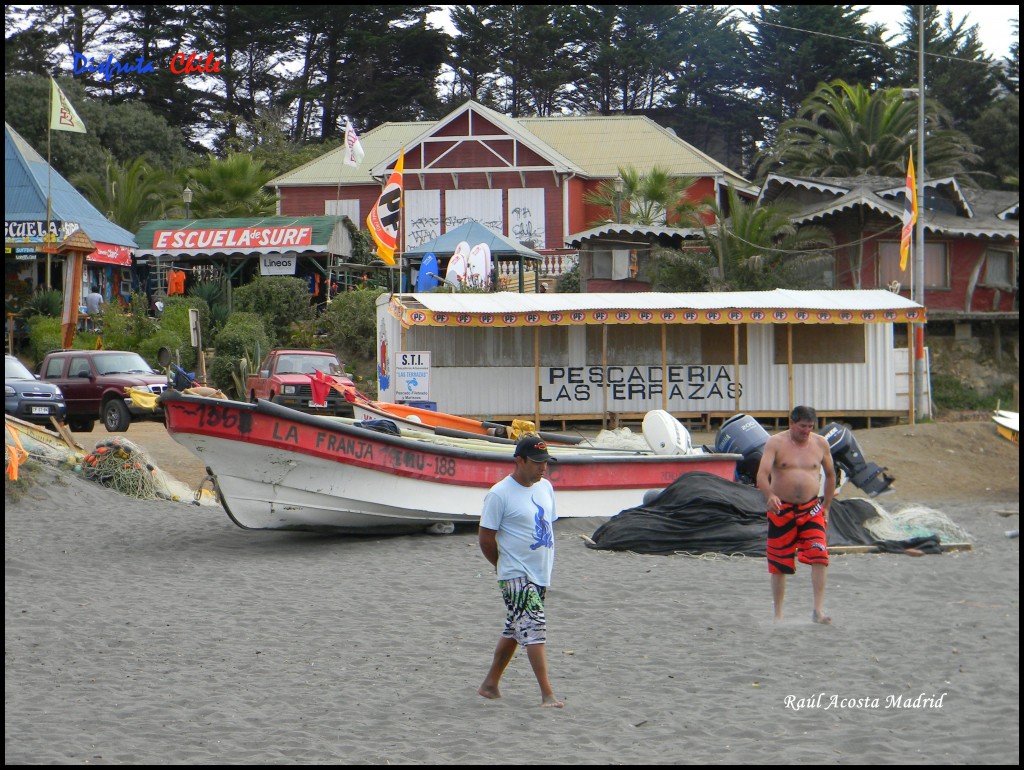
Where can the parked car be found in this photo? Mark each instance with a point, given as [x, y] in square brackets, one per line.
[284, 378]
[26, 398]
[94, 383]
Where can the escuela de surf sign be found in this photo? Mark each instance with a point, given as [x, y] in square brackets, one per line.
[234, 238]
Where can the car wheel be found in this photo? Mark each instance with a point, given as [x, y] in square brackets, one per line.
[81, 424]
[115, 416]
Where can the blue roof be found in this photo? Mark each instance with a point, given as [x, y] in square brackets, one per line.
[26, 178]
[473, 233]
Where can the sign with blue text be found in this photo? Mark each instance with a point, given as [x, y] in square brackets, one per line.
[412, 375]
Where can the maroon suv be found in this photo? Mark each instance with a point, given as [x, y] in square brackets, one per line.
[94, 382]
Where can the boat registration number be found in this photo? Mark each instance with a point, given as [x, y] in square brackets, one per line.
[40, 410]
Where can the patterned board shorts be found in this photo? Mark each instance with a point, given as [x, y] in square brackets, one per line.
[525, 620]
[798, 528]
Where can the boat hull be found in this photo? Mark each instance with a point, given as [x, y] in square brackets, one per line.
[277, 468]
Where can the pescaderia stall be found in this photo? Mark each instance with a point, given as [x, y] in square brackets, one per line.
[614, 357]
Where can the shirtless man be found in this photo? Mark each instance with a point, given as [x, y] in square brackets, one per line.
[790, 477]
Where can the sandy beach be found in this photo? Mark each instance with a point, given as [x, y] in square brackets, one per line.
[146, 632]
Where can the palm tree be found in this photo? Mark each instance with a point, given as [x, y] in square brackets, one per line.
[759, 247]
[846, 130]
[231, 187]
[653, 198]
[129, 193]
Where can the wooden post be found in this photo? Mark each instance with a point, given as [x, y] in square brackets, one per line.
[664, 367]
[536, 376]
[789, 363]
[911, 414]
[736, 361]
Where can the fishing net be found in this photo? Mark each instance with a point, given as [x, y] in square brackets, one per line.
[121, 465]
[912, 520]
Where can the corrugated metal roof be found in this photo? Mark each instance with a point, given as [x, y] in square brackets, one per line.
[982, 211]
[874, 300]
[631, 231]
[601, 144]
[594, 146]
[27, 179]
[378, 144]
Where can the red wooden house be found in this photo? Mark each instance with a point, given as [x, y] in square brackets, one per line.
[523, 177]
[971, 238]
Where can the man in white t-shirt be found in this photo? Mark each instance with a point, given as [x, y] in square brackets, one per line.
[516, 536]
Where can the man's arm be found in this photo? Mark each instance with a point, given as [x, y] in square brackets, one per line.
[764, 472]
[488, 539]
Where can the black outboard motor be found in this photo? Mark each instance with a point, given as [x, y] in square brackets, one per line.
[743, 435]
[848, 457]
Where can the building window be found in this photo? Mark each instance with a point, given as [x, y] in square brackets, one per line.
[999, 269]
[936, 265]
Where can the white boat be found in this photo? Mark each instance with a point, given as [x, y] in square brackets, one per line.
[278, 468]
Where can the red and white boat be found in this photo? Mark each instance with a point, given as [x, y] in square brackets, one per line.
[278, 468]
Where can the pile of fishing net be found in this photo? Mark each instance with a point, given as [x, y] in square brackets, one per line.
[121, 465]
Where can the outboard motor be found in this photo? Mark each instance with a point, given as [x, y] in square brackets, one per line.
[743, 435]
[848, 457]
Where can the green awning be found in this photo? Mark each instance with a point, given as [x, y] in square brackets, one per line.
[305, 236]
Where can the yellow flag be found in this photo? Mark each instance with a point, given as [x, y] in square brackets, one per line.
[62, 115]
[385, 217]
[909, 213]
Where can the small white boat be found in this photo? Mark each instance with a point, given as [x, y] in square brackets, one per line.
[1007, 424]
[278, 468]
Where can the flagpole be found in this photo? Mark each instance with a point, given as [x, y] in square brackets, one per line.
[49, 200]
[917, 273]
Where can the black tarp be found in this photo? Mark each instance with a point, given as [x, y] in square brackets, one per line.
[704, 513]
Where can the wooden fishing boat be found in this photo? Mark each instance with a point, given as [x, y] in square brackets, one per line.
[278, 468]
[1007, 424]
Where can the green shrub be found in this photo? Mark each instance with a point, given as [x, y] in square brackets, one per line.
[351, 324]
[212, 294]
[116, 327]
[44, 335]
[242, 338]
[569, 281]
[278, 301]
[175, 321]
[44, 302]
[949, 393]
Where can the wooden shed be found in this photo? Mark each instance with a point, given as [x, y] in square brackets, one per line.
[614, 357]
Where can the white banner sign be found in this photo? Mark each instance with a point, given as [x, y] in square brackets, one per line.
[412, 375]
[278, 264]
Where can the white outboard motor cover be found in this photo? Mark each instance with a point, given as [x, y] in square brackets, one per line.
[665, 435]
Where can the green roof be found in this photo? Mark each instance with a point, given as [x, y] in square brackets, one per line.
[591, 146]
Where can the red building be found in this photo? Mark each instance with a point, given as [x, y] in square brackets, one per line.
[972, 239]
[523, 177]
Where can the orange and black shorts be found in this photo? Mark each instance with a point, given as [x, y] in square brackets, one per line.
[797, 527]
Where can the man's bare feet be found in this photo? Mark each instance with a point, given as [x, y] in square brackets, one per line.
[821, 617]
[489, 692]
[550, 702]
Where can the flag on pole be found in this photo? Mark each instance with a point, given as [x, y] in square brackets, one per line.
[385, 217]
[909, 213]
[62, 115]
[353, 147]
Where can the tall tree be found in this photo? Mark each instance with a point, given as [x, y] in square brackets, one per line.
[957, 71]
[711, 105]
[796, 47]
[847, 130]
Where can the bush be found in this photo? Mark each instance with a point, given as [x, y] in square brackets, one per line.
[45, 302]
[569, 281]
[44, 335]
[242, 338]
[176, 332]
[278, 301]
[211, 293]
[351, 322]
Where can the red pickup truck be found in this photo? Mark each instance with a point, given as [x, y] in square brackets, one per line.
[284, 378]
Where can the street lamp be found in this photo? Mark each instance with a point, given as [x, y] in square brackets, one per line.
[619, 183]
[186, 195]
